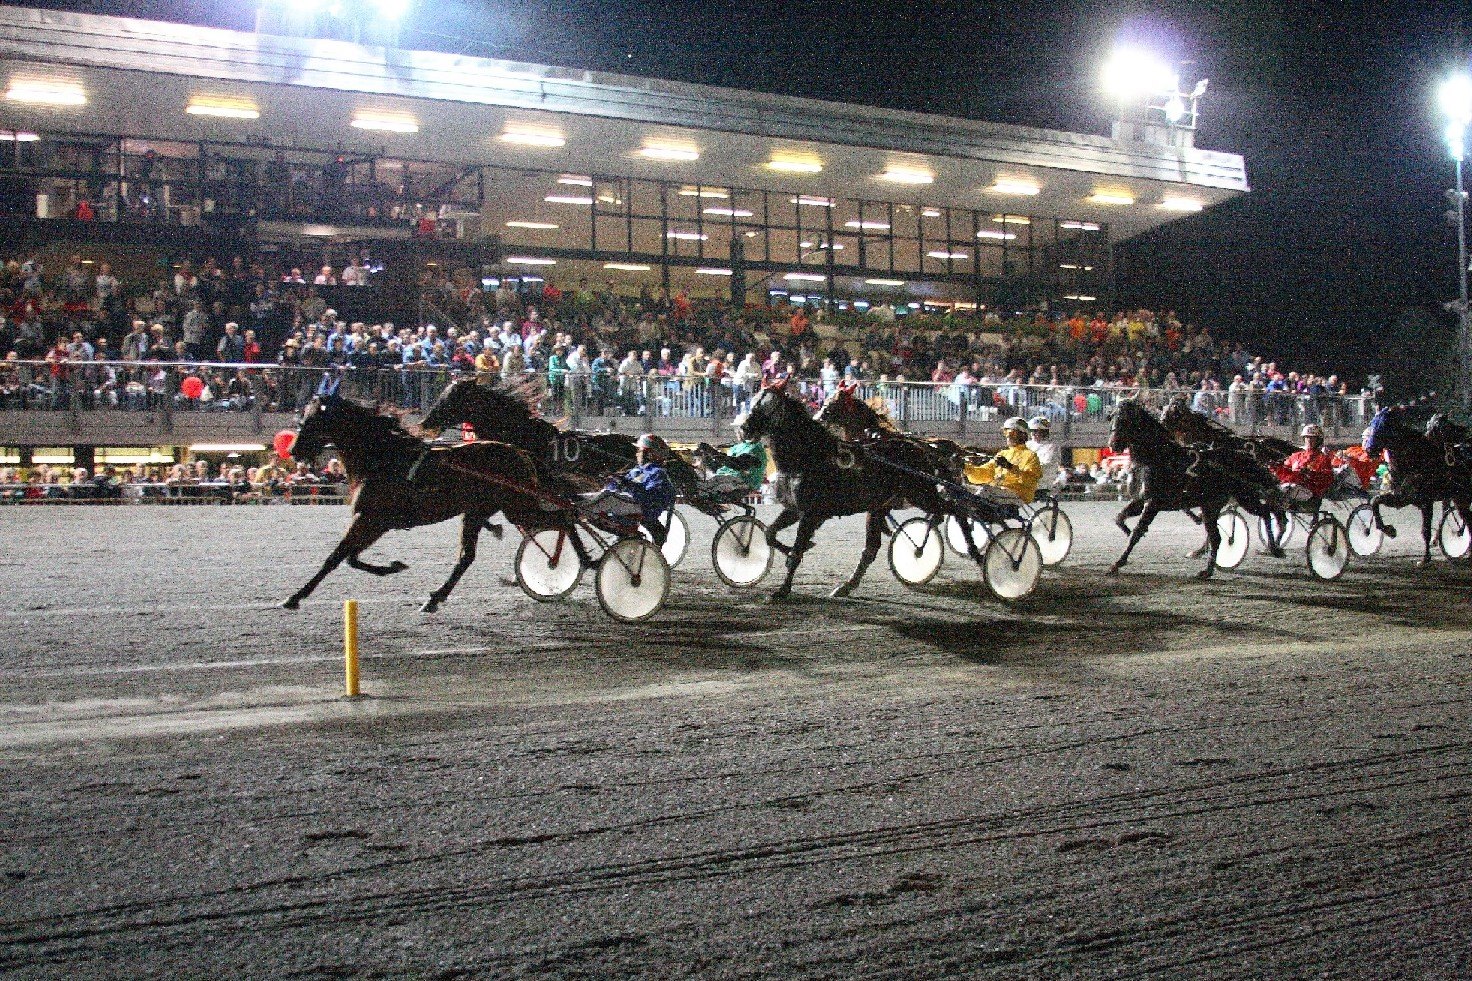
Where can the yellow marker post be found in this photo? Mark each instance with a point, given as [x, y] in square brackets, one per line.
[350, 646]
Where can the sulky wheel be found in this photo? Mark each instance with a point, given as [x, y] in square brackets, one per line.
[1236, 537]
[1453, 534]
[1053, 532]
[1265, 525]
[676, 540]
[547, 566]
[633, 580]
[1328, 548]
[1365, 537]
[1012, 564]
[740, 552]
[916, 552]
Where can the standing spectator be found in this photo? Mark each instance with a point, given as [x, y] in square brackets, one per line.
[231, 349]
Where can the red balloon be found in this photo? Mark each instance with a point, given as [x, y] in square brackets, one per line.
[283, 443]
[191, 387]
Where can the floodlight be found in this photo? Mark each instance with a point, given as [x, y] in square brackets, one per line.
[1456, 140]
[391, 9]
[1456, 99]
[1131, 73]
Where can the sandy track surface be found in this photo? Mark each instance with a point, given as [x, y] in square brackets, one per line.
[1261, 775]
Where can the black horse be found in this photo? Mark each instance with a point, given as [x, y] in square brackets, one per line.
[398, 482]
[1178, 478]
[1422, 471]
[820, 476]
[573, 459]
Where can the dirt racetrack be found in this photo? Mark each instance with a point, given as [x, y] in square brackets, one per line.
[1259, 776]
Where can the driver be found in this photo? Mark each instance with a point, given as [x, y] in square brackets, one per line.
[1012, 475]
[1047, 451]
[740, 470]
[1360, 465]
[645, 490]
[1308, 474]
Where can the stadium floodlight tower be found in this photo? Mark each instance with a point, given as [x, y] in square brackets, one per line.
[1456, 102]
[1153, 107]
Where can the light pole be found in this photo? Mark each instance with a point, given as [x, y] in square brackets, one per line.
[1456, 102]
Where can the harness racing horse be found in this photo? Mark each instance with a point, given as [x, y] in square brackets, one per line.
[580, 460]
[1422, 472]
[858, 421]
[476, 481]
[820, 477]
[1177, 478]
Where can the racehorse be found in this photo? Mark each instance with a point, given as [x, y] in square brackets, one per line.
[398, 482]
[1177, 478]
[1422, 472]
[820, 477]
[857, 421]
[580, 459]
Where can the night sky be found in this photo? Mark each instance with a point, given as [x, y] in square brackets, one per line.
[1341, 246]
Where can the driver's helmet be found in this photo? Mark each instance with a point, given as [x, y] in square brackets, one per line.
[1312, 429]
[1040, 424]
[656, 447]
[1015, 423]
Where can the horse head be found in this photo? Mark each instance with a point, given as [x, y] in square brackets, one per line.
[313, 432]
[773, 410]
[847, 411]
[450, 408]
[1129, 418]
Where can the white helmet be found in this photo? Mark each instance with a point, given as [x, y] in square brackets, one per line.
[1017, 423]
[1312, 429]
[1039, 424]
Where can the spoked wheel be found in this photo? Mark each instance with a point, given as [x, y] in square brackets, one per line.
[1265, 527]
[676, 540]
[1012, 564]
[1454, 535]
[1054, 534]
[1328, 548]
[740, 552]
[547, 566]
[954, 537]
[633, 580]
[916, 552]
[1365, 537]
[1236, 538]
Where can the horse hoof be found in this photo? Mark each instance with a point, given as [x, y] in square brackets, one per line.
[779, 596]
[1204, 574]
[291, 604]
[841, 591]
[397, 566]
[1422, 563]
[497, 530]
[1277, 553]
[1113, 570]
[430, 606]
[1196, 554]
[1389, 531]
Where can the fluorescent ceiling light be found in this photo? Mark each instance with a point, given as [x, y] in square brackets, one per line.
[1011, 185]
[687, 236]
[1012, 219]
[18, 136]
[1079, 296]
[532, 137]
[1087, 226]
[1112, 197]
[227, 447]
[626, 266]
[999, 236]
[43, 93]
[877, 226]
[930, 213]
[836, 246]
[575, 180]
[540, 226]
[712, 272]
[1181, 204]
[884, 282]
[1074, 265]
[521, 260]
[948, 255]
[662, 151]
[567, 199]
[729, 212]
[386, 122]
[794, 165]
[907, 175]
[223, 108]
[805, 278]
[704, 192]
[814, 202]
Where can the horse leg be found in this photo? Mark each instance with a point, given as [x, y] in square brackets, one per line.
[360, 535]
[871, 549]
[357, 562]
[1379, 501]
[785, 520]
[1147, 514]
[1209, 518]
[1133, 508]
[972, 550]
[470, 529]
[806, 526]
[1426, 510]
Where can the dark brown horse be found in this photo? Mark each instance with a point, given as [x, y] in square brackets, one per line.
[397, 481]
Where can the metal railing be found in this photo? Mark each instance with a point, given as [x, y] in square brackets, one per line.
[170, 387]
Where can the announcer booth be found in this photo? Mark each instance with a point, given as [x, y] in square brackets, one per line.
[132, 131]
